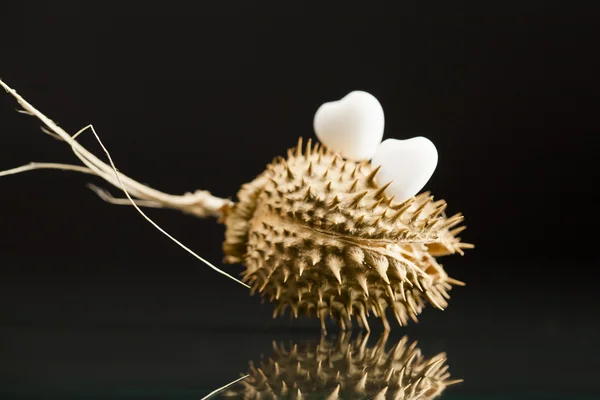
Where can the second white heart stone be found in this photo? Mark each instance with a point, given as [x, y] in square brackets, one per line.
[409, 164]
[352, 126]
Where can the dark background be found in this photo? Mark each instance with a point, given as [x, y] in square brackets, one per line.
[203, 96]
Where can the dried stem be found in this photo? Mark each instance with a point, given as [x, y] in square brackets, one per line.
[200, 203]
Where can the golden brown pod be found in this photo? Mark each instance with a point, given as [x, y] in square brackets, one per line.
[319, 236]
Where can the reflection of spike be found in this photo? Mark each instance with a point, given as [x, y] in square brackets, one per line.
[360, 386]
[381, 394]
[335, 394]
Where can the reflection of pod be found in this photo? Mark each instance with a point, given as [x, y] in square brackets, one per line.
[346, 369]
[319, 235]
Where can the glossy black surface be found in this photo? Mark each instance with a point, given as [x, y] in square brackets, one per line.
[152, 336]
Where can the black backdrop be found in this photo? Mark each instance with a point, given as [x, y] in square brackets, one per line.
[203, 96]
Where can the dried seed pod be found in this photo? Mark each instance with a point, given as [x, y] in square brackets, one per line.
[318, 235]
[346, 369]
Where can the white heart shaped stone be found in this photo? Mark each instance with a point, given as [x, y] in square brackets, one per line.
[352, 126]
[407, 163]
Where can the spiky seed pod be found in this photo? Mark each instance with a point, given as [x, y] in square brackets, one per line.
[318, 235]
[346, 369]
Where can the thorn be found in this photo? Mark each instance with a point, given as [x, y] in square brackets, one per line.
[458, 230]
[299, 147]
[466, 245]
[376, 204]
[360, 220]
[399, 213]
[433, 366]
[328, 187]
[325, 174]
[290, 175]
[335, 160]
[308, 148]
[431, 222]
[381, 269]
[309, 171]
[404, 204]
[438, 211]
[390, 200]
[454, 220]
[390, 292]
[420, 209]
[362, 281]
[335, 269]
[353, 175]
[379, 193]
[336, 200]
[433, 301]
[309, 196]
[356, 200]
[344, 166]
[376, 222]
[422, 196]
[353, 187]
[371, 177]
